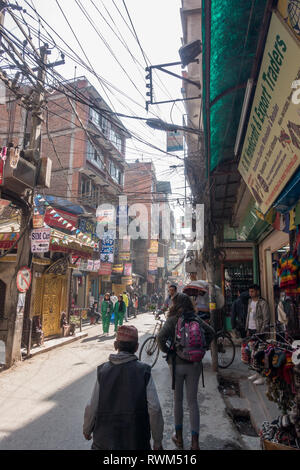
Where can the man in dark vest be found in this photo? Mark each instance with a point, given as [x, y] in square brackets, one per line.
[124, 409]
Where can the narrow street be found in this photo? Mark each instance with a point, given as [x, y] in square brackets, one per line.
[43, 398]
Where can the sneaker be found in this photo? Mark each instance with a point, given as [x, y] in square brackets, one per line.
[260, 381]
[253, 377]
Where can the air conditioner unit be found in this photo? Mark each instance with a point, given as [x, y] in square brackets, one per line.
[20, 178]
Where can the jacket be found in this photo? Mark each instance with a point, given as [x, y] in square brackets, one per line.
[166, 336]
[117, 307]
[125, 299]
[239, 311]
[104, 306]
[262, 317]
[124, 406]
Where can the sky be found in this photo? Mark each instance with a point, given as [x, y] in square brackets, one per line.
[109, 46]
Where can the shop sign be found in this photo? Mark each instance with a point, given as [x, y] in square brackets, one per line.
[90, 265]
[160, 262]
[105, 216]
[88, 227]
[175, 141]
[40, 240]
[38, 221]
[23, 279]
[97, 265]
[124, 256]
[127, 269]
[105, 269]
[106, 278]
[290, 12]
[107, 257]
[117, 268]
[271, 151]
[152, 262]
[60, 219]
[153, 246]
[125, 244]
[127, 280]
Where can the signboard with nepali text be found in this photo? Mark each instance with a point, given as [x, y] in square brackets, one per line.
[271, 151]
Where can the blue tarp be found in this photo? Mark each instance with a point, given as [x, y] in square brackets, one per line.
[289, 197]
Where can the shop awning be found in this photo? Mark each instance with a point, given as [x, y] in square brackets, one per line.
[230, 32]
[290, 195]
[64, 204]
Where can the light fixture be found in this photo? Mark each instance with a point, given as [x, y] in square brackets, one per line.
[189, 52]
[249, 87]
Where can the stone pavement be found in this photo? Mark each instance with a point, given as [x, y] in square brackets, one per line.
[43, 398]
[250, 400]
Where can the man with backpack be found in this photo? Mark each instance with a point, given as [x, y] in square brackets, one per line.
[185, 338]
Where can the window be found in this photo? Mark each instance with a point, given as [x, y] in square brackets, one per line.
[85, 187]
[94, 156]
[116, 173]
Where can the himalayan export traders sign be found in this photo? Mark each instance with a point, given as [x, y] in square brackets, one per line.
[271, 151]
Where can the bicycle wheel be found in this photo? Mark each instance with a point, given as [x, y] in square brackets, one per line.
[226, 350]
[149, 351]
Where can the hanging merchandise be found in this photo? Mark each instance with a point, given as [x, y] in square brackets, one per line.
[278, 362]
[288, 269]
[14, 156]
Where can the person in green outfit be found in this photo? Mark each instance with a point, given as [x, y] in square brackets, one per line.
[106, 312]
[119, 311]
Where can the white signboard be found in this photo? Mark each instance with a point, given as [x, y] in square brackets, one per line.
[40, 240]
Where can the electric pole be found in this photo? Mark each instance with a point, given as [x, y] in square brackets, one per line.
[24, 255]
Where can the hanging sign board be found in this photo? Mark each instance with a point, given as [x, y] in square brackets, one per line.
[40, 240]
[271, 151]
[23, 279]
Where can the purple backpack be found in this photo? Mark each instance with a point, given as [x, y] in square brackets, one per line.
[190, 341]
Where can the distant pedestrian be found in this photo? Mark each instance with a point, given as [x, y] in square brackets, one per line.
[106, 312]
[135, 305]
[113, 298]
[124, 409]
[125, 298]
[239, 310]
[119, 312]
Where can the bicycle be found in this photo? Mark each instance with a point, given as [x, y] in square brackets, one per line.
[225, 346]
[149, 351]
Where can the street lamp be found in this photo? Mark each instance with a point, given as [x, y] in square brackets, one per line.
[164, 126]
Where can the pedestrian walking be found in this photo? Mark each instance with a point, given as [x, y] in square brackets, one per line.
[257, 321]
[125, 298]
[182, 370]
[124, 409]
[239, 311]
[135, 305]
[106, 312]
[113, 298]
[119, 311]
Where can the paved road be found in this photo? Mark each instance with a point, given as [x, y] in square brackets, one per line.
[42, 399]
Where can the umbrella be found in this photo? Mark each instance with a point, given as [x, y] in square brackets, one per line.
[194, 287]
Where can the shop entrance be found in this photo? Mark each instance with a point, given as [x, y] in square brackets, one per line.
[237, 277]
[54, 302]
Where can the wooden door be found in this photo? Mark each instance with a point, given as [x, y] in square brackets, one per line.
[54, 302]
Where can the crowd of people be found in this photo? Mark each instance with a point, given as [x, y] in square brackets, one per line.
[124, 410]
